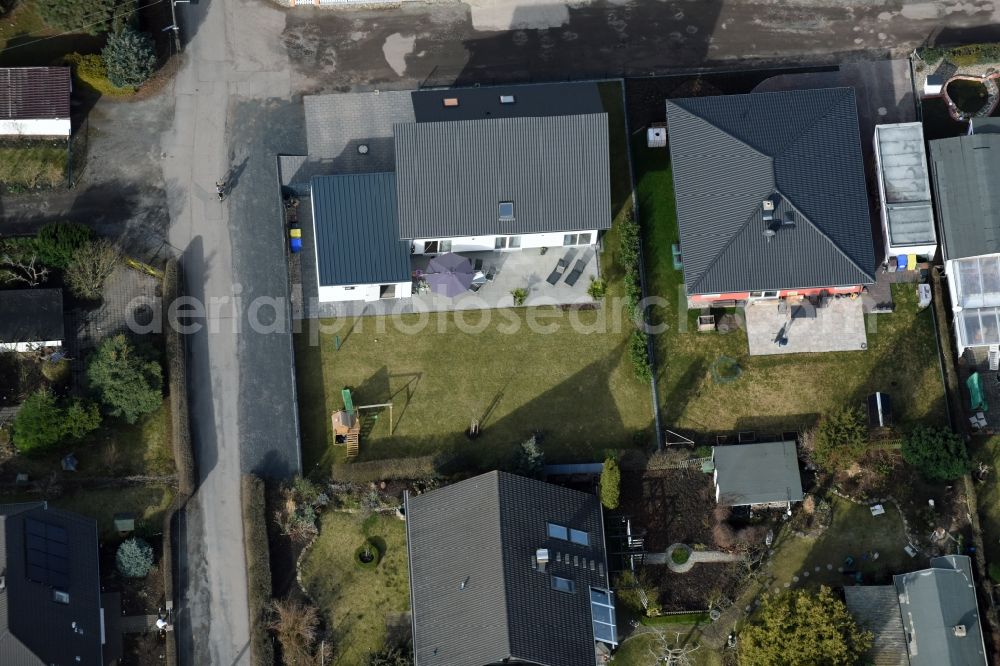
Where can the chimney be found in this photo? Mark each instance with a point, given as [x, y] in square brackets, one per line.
[960, 630]
[542, 555]
[767, 209]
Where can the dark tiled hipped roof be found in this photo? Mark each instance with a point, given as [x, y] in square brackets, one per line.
[800, 149]
[476, 596]
[28, 93]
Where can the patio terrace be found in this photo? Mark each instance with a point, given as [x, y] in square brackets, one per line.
[528, 269]
[838, 325]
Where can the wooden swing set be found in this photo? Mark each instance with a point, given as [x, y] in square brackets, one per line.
[347, 422]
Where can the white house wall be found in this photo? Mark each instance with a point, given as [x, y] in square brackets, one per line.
[362, 292]
[38, 127]
[488, 243]
[28, 346]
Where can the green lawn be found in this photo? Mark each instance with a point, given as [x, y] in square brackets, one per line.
[357, 603]
[21, 43]
[149, 503]
[774, 393]
[635, 651]
[576, 385]
[987, 450]
[35, 164]
[853, 532]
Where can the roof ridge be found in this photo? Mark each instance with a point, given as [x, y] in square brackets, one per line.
[732, 238]
[497, 476]
[829, 110]
[822, 233]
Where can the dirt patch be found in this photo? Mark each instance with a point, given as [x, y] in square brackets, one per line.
[705, 584]
[672, 506]
[143, 649]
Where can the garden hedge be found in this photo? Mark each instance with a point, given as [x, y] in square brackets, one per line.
[177, 385]
[258, 569]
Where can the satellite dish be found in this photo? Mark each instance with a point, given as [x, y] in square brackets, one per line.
[769, 234]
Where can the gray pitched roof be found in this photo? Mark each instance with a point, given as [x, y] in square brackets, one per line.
[531, 99]
[964, 171]
[757, 473]
[34, 629]
[354, 223]
[932, 603]
[876, 609]
[31, 315]
[476, 596]
[802, 149]
[452, 176]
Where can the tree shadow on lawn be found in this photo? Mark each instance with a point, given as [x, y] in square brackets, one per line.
[577, 420]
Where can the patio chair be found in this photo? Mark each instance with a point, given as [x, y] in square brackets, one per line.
[477, 265]
[491, 273]
[557, 272]
[577, 271]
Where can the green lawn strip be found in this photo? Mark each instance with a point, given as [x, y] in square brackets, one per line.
[694, 619]
[782, 392]
[853, 532]
[356, 602]
[34, 164]
[149, 503]
[635, 651]
[987, 450]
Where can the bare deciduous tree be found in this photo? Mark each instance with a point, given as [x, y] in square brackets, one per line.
[24, 269]
[91, 266]
[672, 651]
[296, 625]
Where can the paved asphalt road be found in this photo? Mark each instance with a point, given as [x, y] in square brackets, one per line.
[228, 100]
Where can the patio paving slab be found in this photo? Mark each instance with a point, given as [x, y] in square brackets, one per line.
[839, 326]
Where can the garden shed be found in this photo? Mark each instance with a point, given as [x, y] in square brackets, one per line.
[765, 473]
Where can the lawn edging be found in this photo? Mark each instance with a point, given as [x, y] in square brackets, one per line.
[255, 545]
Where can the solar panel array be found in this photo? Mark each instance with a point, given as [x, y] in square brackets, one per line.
[46, 553]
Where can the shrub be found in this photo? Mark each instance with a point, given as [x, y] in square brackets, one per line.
[597, 288]
[129, 384]
[56, 372]
[129, 58]
[81, 418]
[390, 656]
[519, 294]
[802, 627]
[90, 72]
[134, 558]
[841, 438]
[367, 555]
[38, 424]
[639, 355]
[680, 555]
[57, 243]
[529, 460]
[938, 453]
[295, 624]
[611, 480]
[258, 568]
[90, 16]
[91, 265]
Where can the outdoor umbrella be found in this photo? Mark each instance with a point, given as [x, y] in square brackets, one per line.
[449, 274]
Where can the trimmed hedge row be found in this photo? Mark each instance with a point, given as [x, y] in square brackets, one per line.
[177, 385]
[382, 470]
[258, 568]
